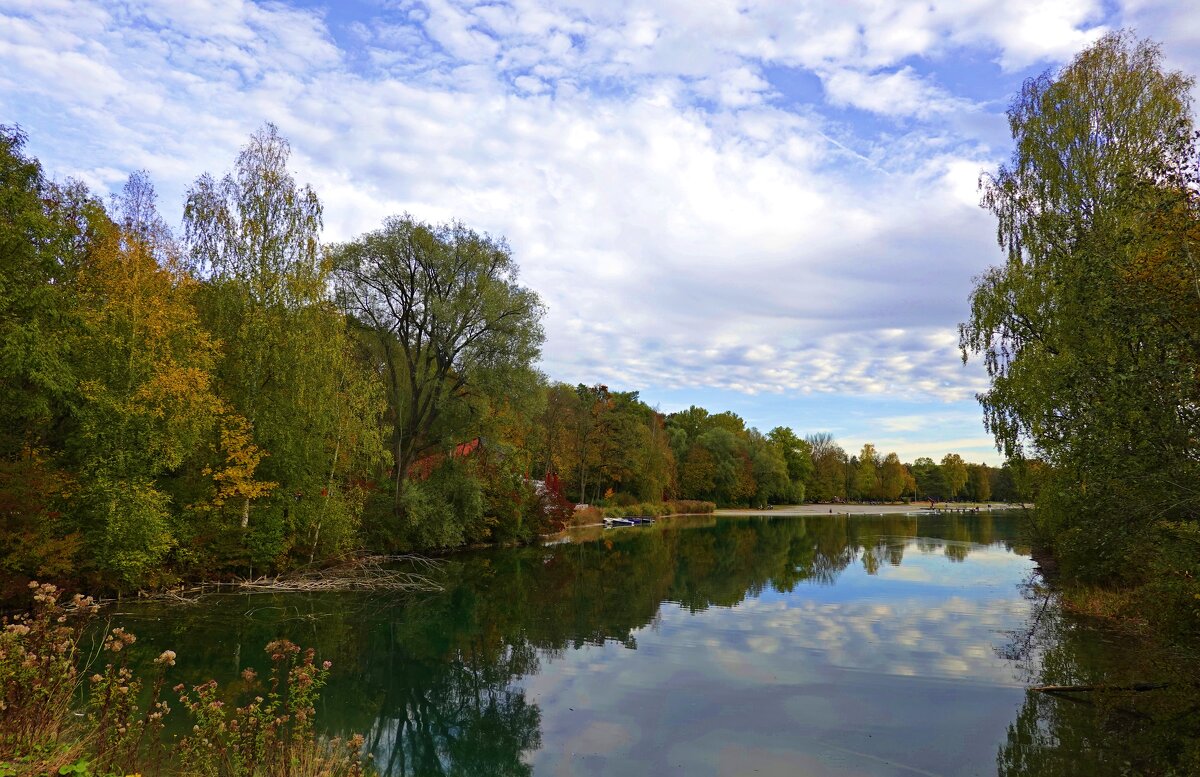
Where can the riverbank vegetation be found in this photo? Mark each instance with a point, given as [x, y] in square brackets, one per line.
[236, 398]
[1089, 332]
[74, 708]
[1089, 328]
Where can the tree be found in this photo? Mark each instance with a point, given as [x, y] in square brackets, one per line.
[590, 429]
[797, 454]
[979, 482]
[769, 470]
[658, 473]
[556, 423]
[954, 474]
[866, 473]
[894, 478]
[697, 476]
[145, 401]
[928, 478]
[445, 306]
[45, 231]
[733, 474]
[828, 481]
[1086, 140]
[256, 235]
[1089, 328]
[257, 227]
[635, 457]
[288, 365]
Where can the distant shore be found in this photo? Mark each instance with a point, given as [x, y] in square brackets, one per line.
[868, 509]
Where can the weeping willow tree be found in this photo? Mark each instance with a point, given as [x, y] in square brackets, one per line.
[1090, 329]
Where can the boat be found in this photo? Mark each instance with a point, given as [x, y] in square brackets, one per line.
[629, 520]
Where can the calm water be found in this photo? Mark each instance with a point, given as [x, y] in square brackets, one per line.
[868, 645]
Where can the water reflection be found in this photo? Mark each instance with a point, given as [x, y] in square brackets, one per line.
[823, 645]
[1115, 732]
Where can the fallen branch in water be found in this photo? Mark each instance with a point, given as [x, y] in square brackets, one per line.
[364, 573]
[1138, 687]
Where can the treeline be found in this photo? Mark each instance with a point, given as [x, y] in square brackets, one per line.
[609, 447]
[237, 397]
[1089, 328]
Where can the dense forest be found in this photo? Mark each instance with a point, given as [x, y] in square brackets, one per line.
[236, 395]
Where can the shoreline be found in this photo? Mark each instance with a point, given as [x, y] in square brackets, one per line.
[184, 590]
[915, 508]
[596, 530]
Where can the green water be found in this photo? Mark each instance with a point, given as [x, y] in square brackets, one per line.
[868, 645]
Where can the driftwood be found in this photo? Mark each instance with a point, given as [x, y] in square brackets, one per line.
[1138, 687]
[364, 573]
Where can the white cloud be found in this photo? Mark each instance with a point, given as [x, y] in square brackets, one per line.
[900, 93]
[1175, 25]
[687, 222]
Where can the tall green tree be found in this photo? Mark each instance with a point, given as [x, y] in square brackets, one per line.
[797, 454]
[1089, 328]
[895, 479]
[287, 365]
[446, 307]
[979, 482]
[145, 400]
[928, 478]
[829, 468]
[867, 484]
[698, 473]
[954, 474]
[589, 431]
[46, 232]
[769, 469]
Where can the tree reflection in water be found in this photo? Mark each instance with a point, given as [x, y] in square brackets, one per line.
[451, 702]
[435, 682]
[1117, 732]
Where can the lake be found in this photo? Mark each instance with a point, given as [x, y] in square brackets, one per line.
[772, 645]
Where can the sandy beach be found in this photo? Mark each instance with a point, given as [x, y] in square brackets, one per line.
[867, 509]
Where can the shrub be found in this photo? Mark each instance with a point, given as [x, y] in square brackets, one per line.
[691, 506]
[587, 516]
[121, 733]
[443, 511]
[40, 733]
[1170, 598]
[659, 509]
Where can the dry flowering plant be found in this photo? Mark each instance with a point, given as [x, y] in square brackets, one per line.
[120, 729]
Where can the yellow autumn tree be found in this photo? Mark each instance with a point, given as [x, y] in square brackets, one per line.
[234, 478]
[144, 397]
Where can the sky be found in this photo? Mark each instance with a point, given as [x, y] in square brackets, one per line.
[764, 207]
